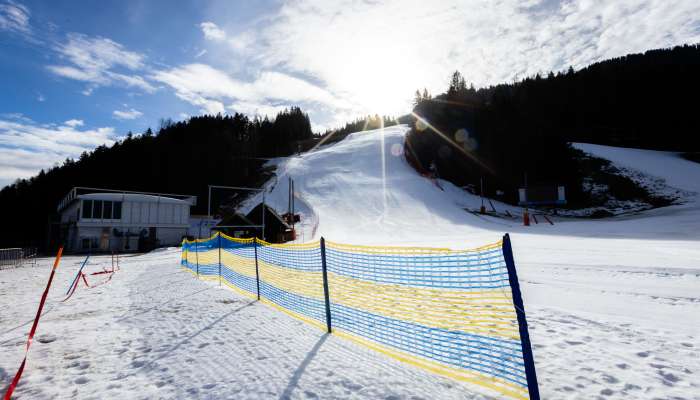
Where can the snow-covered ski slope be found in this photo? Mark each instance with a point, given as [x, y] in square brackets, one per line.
[613, 305]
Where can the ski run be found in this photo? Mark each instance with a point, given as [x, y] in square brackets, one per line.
[613, 304]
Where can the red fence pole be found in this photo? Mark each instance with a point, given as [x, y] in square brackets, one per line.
[32, 331]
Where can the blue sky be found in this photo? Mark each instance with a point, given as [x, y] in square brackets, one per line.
[77, 74]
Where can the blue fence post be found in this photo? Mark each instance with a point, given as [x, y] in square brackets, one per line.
[219, 258]
[196, 255]
[522, 321]
[257, 272]
[78, 274]
[325, 284]
[196, 247]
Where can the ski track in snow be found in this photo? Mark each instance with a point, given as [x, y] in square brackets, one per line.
[613, 305]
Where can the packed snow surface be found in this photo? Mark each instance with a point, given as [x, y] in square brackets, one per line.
[613, 304]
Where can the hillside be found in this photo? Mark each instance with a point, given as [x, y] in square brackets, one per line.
[182, 158]
[504, 131]
[611, 300]
[498, 133]
[612, 304]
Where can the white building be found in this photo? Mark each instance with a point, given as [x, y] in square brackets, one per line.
[122, 221]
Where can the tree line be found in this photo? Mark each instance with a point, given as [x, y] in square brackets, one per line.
[181, 157]
[506, 131]
[500, 133]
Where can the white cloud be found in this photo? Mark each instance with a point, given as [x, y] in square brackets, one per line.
[127, 114]
[14, 17]
[253, 108]
[375, 54]
[74, 123]
[40, 98]
[239, 42]
[208, 87]
[26, 146]
[212, 31]
[100, 62]
[200, 79]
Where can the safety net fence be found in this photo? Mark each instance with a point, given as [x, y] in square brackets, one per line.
[457, 313]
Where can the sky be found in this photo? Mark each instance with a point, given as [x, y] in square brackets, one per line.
[78, 74]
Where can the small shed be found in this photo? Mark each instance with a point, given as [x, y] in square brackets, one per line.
[542, 195]
[276, 229]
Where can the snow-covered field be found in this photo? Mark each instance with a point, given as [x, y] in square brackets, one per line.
[613, 304]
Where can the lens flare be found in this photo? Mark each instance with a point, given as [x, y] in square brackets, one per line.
[396, 150]
[449, 141]
[461, 135]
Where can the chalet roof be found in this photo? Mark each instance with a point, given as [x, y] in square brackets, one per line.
[235, 219]
[255, 216]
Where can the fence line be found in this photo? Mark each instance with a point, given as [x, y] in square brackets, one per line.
[17, 257]
[458, 313]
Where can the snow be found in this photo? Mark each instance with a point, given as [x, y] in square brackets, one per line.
[670, 166]
[613, 305]
[154, 331]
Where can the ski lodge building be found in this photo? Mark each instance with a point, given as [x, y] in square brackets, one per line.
[107, 220]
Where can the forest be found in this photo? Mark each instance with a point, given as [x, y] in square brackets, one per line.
[500, 134]
[504, 132]
[181, 157]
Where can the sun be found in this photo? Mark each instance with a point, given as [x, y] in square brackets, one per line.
[380, 79]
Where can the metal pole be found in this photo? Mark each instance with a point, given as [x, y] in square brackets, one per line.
[263, 215]
[289, 195]
[219, 258]
[522, 321]
[481, 183]
[209, 203]
[257, 272]
[325, 284]
[482, 210]
[196, 247]
[78, 274]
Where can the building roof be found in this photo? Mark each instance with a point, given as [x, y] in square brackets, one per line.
[235, 219]
[132, 197]
[255, 215]
[78, 192]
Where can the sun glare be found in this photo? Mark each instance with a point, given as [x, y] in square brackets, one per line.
[380, 80]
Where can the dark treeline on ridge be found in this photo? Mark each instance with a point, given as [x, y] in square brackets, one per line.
[182, 157]
[367, 123]
[504, 131]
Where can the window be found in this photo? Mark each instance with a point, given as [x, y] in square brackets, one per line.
[107, 210]
[117, 210]
[102, 209]
[87, 208]
[97, 209]
[89, 243]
